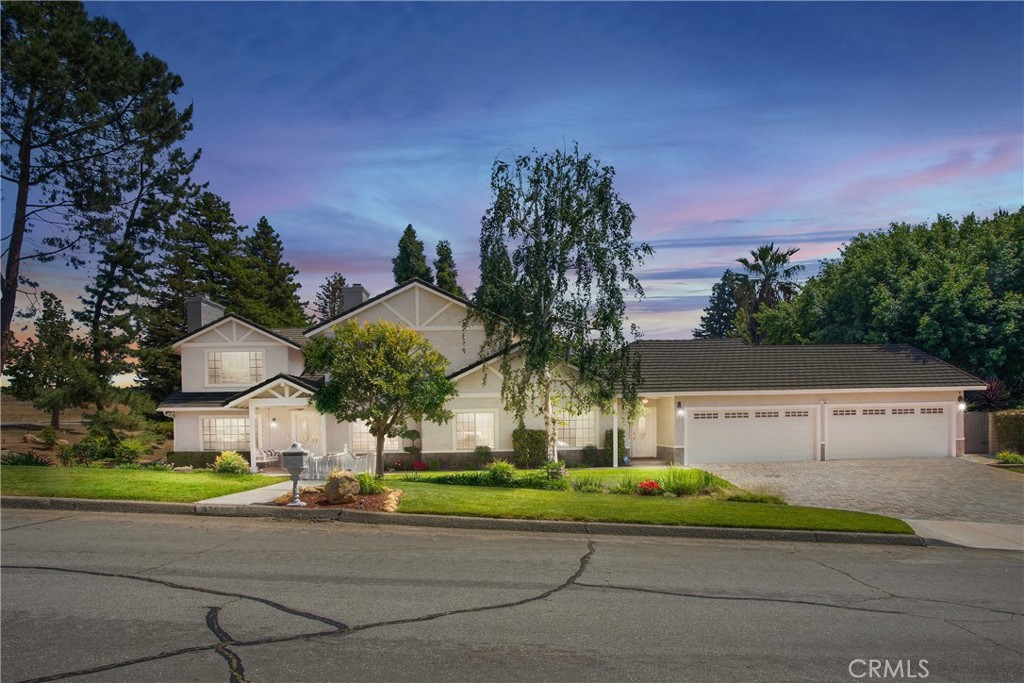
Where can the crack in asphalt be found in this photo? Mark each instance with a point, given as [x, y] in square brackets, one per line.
[235, 669]
[45, 521]
[222, 648]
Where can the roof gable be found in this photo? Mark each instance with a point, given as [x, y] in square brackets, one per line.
[414, 303]
[234, 329]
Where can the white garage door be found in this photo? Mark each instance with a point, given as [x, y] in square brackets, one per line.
[749, 434]
[904, 431]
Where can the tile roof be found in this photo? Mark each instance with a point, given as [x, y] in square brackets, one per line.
[731, 365]
[296, 335]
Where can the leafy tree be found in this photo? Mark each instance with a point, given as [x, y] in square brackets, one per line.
[447, 274]
[411, 260]
[330, 299]
[52, 370]
[557, 301]
[82, 116]
[769, 280]
[201, 256]
[265, 290]
[381, 374]
[719, 318]
[954, 289]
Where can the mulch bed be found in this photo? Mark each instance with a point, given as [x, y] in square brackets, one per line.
[370, 503]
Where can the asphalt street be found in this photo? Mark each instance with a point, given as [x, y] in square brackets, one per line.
[132, 597]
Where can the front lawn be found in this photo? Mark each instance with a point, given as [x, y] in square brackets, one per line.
[85, 482]
[478, 501]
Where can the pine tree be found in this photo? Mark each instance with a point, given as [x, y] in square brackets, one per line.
[447, 274]
[52, 370]
[719, 318]
[202, 256]
[266, 291]
[330, 299]
[411, 260]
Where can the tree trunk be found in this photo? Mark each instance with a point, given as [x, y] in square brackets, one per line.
[55, 418]
[378, 462]
[12, 271]
[549, 422]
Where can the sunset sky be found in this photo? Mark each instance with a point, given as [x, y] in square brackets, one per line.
[729, 124]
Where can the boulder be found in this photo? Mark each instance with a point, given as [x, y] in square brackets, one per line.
[341, 487]
[187, 468]
[62, 443]
[32, 438]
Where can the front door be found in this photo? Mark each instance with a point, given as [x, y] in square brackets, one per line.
[306, 430]
[642, 434]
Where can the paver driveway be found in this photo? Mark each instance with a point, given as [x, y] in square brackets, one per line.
[910, 488]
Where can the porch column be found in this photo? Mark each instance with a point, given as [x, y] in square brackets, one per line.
[615, 436]
[252, 439]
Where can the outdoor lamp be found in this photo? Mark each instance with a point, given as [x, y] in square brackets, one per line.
[294, 460]
[273, 423]
[679, 409]
[960, 405]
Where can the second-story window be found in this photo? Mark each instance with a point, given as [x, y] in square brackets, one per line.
[235, 367]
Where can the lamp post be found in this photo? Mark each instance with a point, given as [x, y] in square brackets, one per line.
[295, 461]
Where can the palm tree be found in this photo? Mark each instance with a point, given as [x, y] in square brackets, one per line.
[769, 279]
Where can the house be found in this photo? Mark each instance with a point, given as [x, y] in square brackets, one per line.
[244, 388]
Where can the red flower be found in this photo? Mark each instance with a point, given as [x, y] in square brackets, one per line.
[648, 487]
[419, 465]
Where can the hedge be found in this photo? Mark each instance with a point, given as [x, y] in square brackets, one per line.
[196, 458]
[608, 455]
[1010, 429]
[530, 447]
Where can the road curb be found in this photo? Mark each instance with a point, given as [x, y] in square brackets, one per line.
[451, 522]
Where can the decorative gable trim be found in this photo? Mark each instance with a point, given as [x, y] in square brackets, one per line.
[216, 326]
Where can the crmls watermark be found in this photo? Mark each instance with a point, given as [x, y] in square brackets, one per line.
[887, 668]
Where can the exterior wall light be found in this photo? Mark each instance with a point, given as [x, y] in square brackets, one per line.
[679, 409]
[960, 405]
[273, 423]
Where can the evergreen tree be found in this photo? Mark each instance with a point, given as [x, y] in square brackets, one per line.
[266, 291]
[719, 318]
[85, 118]
[447, 274]
[52, 370]
[202, 256]
[411, 260]
[330, 299]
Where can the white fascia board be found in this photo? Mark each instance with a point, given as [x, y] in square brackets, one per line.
[361, 308]
[794, 392]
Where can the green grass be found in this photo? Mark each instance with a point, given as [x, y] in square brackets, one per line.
[83, 482]
[472, 501]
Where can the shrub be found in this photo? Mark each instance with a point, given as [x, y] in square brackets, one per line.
[484, 455]
[606, 458]
[230, 462]
[164, 429]
[369, 485]
[1010, 458]
[625, 484]
[757, 494]
[195, 459]
[554, 469]
[23, 460]
[86, 451]
[586, 483]
[461, 479]
[649, 487]
[49, 436]
[130, 450]
[689, 482]
[501, 473]
[433, 465]
[419, 465]
[530, 447]
[591, 456]
[1010, 429]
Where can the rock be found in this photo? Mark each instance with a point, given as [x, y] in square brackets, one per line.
[186, 469]
[62, 443]
[391, 502]
[311, 489]
[32, 438]
[341, 487]
[283, 500]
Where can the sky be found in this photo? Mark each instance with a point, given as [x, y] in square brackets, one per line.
[730, 125]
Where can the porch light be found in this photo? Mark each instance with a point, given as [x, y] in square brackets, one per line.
[960, 405]
[273, 423]
[644, 401]
[679, 409]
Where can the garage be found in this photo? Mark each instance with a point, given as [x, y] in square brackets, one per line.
[894, 431]
[748, 434]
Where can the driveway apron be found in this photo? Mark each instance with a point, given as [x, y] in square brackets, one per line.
[909, 488]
